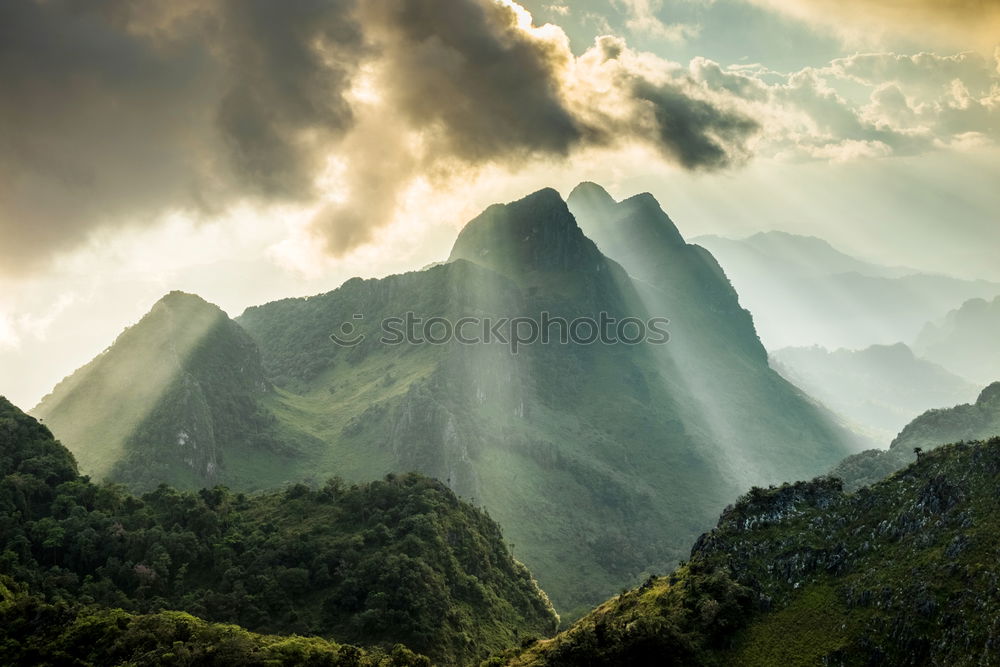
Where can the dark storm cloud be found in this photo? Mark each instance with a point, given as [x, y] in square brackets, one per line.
[91, 122]
[697, 134]
[467, 71]
[289, 63]
[115, 111]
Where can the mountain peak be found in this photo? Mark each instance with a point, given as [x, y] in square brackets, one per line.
[183, 382]
[187, 303]
[537, 232]
[990, 396]
[638, 222]
[591, 196]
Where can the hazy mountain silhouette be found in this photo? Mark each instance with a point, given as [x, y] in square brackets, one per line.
[879, 389]
[804, 292]
[966, 340]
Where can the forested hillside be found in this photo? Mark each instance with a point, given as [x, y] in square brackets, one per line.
[36, 632]
[396, 561]
[901, 573]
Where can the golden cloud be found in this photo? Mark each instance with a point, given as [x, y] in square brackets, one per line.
[963, 24]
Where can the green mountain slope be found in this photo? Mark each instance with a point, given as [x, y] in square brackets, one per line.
[965, 341]
[602, 462]
[761, 427]
[969, 421]
[901, 573]
[880, 389]
[176, 399]
[402, 560]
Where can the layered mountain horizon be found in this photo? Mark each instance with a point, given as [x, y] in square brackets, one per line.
[600, 461]
[804, 291]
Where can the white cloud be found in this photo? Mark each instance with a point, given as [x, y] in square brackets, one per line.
[865, 106]
[642, 18]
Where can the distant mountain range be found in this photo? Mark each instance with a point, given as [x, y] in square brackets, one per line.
[880, 389]
[966, 340]
[804, 292]
[902, 573]
[601, 462]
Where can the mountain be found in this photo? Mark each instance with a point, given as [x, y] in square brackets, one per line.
[601, 461]
[880, 389]
[176, 399]
[806, 255]
[965, 341]
[901, 573]
[975, 421]
[804, 292]
[714, 352]
[396, 561]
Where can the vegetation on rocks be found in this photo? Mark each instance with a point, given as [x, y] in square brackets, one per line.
[971, 421]
[899, 573]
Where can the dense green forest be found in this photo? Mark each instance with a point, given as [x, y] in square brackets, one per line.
[900, 573]
[36, 632]
[395, 561]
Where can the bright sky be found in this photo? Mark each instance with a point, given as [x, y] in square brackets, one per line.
[281, 150]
